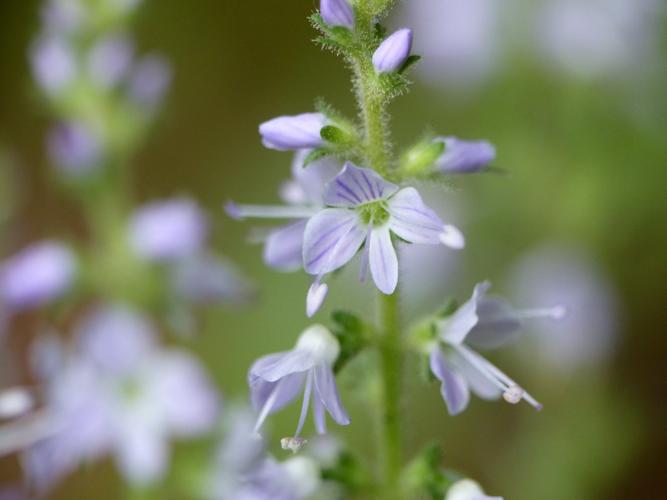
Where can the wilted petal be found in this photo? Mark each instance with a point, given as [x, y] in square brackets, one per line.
[462, 157]
[331, 239]
[293, 132]
[354, 186]
[393, 51]
[283, 249]
[454, 329]
[454, 389]
[383, 261]
[326, 390]
[412, 220]
[337, 13]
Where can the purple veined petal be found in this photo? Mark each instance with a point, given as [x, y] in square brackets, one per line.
[454, 388]
[74, 148]
[109, 60]
[312, 179]
[337, 13]
[478, 380]
[354, 186]
[326, 390]
[273, 367]
[53, 64]
[498, 324]
[283, 249]
[382, 260]
[455, 329]
[331, 239]
[464, 157]
[412, 220]
[319, 415]
[149, 81]
[393, 51]
[315, 297]
[293, 132]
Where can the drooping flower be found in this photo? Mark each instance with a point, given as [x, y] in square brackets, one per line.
[36, 275]
[464, 157]
[118, 393]
[337, 13]
[293, 132]
[74, 148]
[304, 195]
[277, 379]
[467, 489]
[366, 208]
[487, 322]
[393, 51]
[168, 230]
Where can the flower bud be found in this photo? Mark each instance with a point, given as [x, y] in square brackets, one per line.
[319, 341]
[74, 148]
[53, 64]
[464, 157]
[109, 60]
[293, 132]
[149, 81]
[337, 13]
[393, 52]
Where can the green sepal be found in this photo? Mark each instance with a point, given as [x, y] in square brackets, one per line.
[418, 160]
[410, 61]
[425, 474]
[336, 136]
[351, 334]
[315, 155]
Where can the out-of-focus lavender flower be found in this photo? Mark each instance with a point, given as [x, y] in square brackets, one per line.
[488, 322]
[149, 81]
[277, 379]
[304, 192]
[588, 333]
[168, 230]
[36, 275]
[62, 16]
[466, 489]
[337, 13]
[293, 132]
[464, 157]
[366, 208]
[393, 51]
[74, 148]
[120, 394]
[53, 63]
[109, 60]
[460, 38]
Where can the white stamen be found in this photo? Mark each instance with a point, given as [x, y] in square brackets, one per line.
[268, 211]
[513, 394]
[293, 444]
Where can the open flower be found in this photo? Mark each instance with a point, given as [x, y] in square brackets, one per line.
[486, 322]
[366, 208]
[277, 379]
[466, 489]
[304, 197]
[464, 157]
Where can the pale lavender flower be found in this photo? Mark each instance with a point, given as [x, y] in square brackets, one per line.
[149, 81]
[466, 489]
[53, 64]
[393, 51]
[304, 195]
[62, 16]
[74, 148]
[487, 322]
[36, 275]
[120, 394]
[337, 13]
[168, 230]
[277, 379]
[464, 157]
[109, 60]
[293, 132]
[366, 208]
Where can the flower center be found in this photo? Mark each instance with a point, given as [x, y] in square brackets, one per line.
[374, 213]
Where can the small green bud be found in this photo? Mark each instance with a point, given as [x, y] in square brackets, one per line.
[335, 135]
[418, 160]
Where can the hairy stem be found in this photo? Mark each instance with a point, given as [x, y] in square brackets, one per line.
[372, 106]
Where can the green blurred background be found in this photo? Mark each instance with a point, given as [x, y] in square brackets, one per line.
[586, 166]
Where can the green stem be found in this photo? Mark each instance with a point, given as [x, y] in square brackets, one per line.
[391, 370]
[373, 112]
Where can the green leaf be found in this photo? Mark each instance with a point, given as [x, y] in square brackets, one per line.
[315, 155]
[411, 60]
[351, 334]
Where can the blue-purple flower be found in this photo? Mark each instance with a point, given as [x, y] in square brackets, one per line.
[393, 51]
[36, 275]
[304, 195]
[487, 322]
[109, 61]
[337, 13]
[364, 208]
[277, 379]
[74, 147]
[464, 157]
[119, 393]
[293, 132]
[53, 64]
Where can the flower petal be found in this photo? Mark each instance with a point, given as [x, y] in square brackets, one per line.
[454, 388]
[383, 261]
[319, 416]
[273, 367]
[354, 186]
[325, 386]
[479, 381]
[331, 239]
[312, 179]
[316, 295]
[498, 324]
[412, 220]
[281, 392]
[456, 328]
[293, 132]
[283, 248]
[464, 157]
